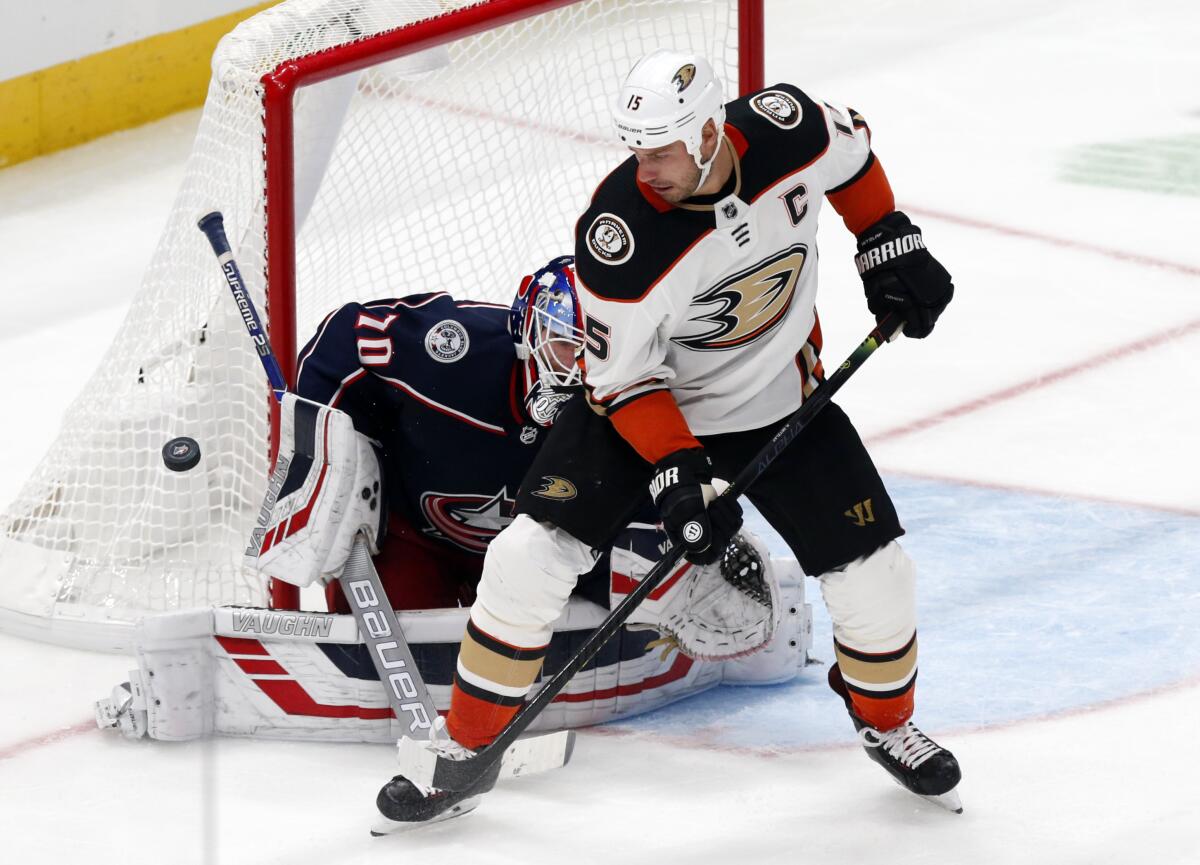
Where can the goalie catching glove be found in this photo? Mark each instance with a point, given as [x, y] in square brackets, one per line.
[692, 513]
[325, 490]
[900, 276]
[716, 612]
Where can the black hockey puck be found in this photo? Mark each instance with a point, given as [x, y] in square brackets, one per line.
[181, 454]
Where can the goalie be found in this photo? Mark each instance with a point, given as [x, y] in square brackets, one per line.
[414, 422]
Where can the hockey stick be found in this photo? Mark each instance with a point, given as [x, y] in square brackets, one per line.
[406, 691]
[390, 654]
[461, 775]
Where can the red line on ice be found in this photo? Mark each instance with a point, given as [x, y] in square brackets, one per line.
[1094, 362]
[52, 738]
[1026, 234]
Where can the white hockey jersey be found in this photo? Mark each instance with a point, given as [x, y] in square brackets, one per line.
[714, 298]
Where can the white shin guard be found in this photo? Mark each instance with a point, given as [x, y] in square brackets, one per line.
[528, 574]
[872, 600]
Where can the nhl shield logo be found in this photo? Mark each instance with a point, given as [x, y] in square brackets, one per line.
[609, 239]
[778, 107]
[447, 341]
[730, 210]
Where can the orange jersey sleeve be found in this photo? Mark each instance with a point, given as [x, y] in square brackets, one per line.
[865, 199]
[653, 425]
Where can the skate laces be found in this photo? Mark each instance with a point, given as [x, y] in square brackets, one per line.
[444, 745]
[439, 743]
[906, 743]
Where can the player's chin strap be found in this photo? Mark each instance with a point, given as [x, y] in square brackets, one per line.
[462, 775]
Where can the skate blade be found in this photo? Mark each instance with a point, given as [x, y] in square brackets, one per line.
[948, 800]
[384, 826]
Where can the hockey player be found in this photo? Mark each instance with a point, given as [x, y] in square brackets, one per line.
[697, 276]
[459, 405]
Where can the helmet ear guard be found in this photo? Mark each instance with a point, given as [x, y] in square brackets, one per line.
[544, 322]
[670, 96]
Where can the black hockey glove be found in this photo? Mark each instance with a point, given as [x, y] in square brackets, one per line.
[900, 276]
[678, 488]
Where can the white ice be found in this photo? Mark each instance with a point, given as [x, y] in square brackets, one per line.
[1040, 445]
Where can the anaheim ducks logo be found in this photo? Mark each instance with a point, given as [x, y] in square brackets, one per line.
[609, 239]
[556, 488]
[778, 107]
[747, 305]
[683, 77]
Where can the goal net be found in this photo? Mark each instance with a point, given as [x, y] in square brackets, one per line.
[358, 149]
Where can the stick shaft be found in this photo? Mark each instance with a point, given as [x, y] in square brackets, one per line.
[213, 226]
[380, 630]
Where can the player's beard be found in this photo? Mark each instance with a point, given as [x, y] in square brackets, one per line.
[685, 188]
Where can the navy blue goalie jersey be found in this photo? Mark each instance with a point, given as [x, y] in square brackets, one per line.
[434, 380]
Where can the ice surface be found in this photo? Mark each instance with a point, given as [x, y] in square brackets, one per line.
[1054, 518]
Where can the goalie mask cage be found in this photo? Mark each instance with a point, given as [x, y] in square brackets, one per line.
[358, 149]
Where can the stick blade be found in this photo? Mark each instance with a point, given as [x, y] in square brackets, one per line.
[529, 755]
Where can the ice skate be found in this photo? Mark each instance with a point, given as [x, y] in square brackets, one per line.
[915, 762]
[404, 804]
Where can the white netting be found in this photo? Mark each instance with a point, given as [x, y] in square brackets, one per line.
[456, 169]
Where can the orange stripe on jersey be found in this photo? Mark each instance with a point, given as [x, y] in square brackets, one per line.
[865, 201]
[653, 425]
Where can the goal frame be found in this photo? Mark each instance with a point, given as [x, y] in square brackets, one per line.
[279, 88]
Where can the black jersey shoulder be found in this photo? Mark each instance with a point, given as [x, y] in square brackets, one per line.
[624, 244]
[784, 129]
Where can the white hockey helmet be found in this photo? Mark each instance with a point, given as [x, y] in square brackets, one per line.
[669, 96]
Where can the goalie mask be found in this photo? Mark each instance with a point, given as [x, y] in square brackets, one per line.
[670, 96]
[545, 326]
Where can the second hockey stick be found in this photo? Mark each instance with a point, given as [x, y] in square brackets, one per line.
[461, 775]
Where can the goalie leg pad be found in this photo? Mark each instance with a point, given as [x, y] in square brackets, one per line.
[325, 489]
[872, 602]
